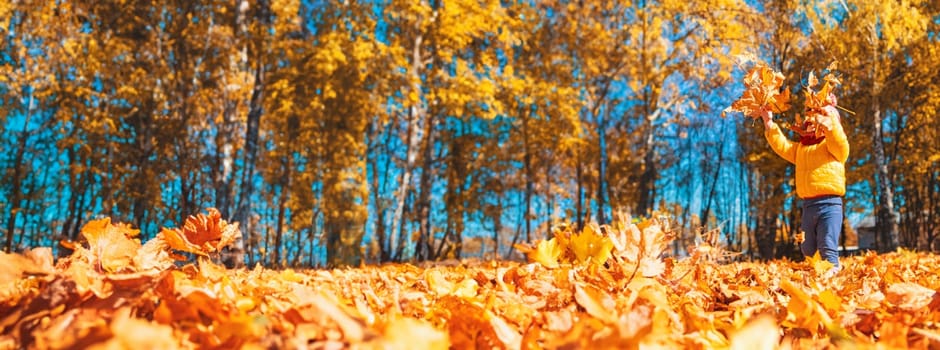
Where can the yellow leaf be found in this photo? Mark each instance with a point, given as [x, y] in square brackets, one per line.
[591, 246]
[761, 333]
[818, 264]
[547, 253]
[831, 301]
[402, 332]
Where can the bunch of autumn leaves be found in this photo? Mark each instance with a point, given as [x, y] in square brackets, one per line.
[763, 88]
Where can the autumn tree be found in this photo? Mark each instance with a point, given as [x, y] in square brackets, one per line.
[869, 40]
[344, 104]
[541, 126]
[917, 154]
[32, 71]
[694, 51]
[773, 207]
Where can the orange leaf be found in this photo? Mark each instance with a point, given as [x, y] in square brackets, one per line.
[154, 256]
[402, 332]
[910, 296]
[762, 87]
[36, 262]
[202, 234]
[596, 302]
[504, 332]
[111, 246]
[138, 333]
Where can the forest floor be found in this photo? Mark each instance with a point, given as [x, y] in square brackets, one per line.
[582, 290]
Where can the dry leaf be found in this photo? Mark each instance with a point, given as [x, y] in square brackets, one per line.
[547, 253]
[202, 234]
[762, 87]
[910, 296]
[762, 333]
[111, 247]
[590, 246]
[596, 302]
[151, 301]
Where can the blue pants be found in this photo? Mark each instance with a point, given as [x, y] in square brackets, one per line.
[822, 224]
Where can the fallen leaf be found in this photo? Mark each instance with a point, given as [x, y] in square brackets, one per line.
[596, 302]
[591, 246]
[761, 333]
[112, 247]
[202, 234]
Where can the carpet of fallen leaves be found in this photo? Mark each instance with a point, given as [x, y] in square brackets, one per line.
[603, 287]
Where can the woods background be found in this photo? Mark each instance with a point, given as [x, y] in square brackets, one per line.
[341, 132]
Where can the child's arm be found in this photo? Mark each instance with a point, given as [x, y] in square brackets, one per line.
[778, 142]
[838, 143]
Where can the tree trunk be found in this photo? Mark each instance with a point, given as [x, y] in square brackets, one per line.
[647, 185]
[242, 215]
[711, 192]
[282, 208]
[425, 236]
[279, 229]
[344, 225]
[16, 194]
[497, 226]
[529, 177]
[380, 238]
[601, 167]
[886, 218]
[417, 116]
[579, 203]
[886, 239]
[236, 255]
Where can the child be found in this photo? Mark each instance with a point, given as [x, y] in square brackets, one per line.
[820, 176]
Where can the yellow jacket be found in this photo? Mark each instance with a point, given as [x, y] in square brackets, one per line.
[820, 168]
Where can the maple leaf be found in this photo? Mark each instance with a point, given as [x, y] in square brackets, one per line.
[805, 311]
[129, 333]
[504, 332]
[818, 264]
[642, 244]
[111, 247]
[800, 237]
[591, 246]
[547, 253]
[762, 87]
[818, 99]
[438, 283]
[202, 234]
[154, 256]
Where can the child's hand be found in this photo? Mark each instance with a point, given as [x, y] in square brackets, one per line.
[767, 116]
[828, 118]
